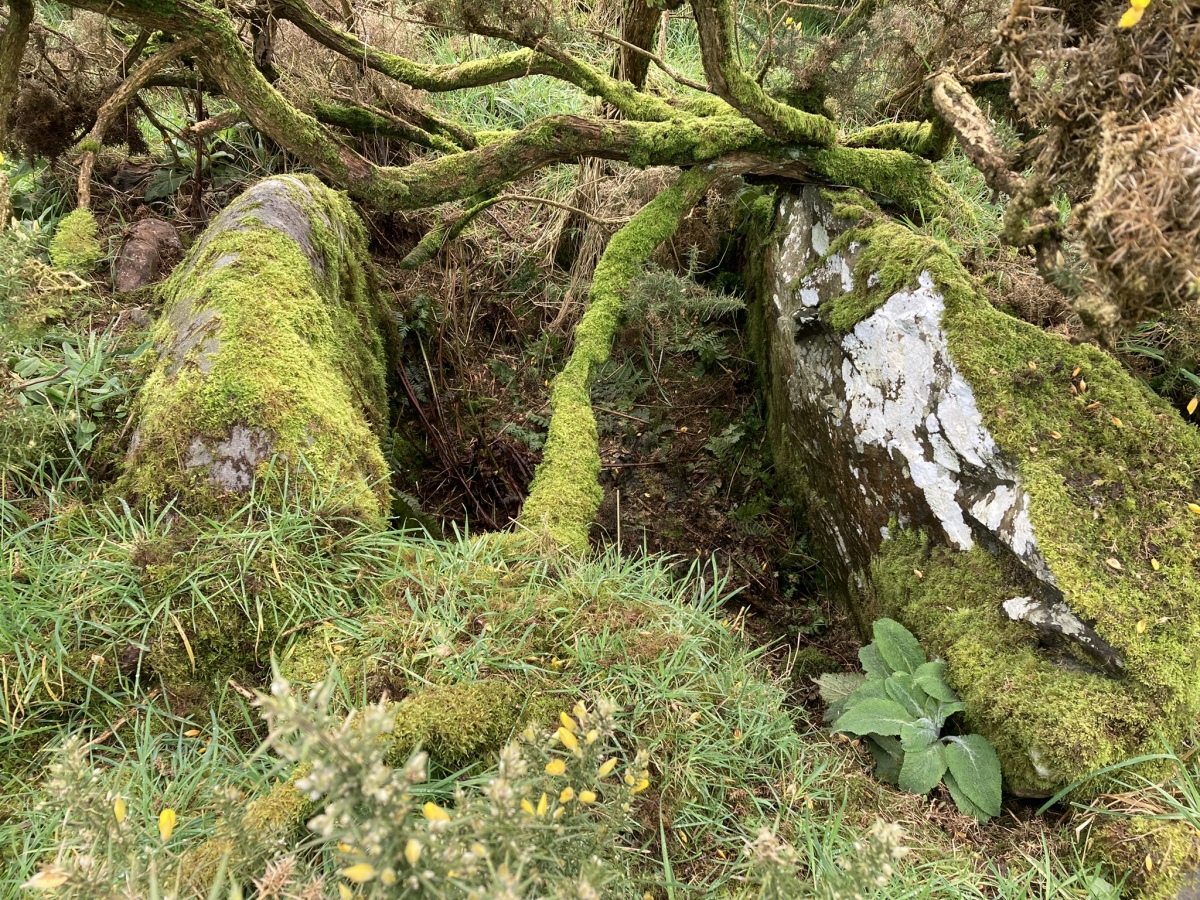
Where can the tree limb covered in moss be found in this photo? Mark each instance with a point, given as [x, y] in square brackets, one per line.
[12, 48]
[361, 119]
[717, 26]
[565, 495]
[120, 98]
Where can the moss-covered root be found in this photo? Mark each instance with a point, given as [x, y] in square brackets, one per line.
[75, 246]
[565, 494]
[270, 354]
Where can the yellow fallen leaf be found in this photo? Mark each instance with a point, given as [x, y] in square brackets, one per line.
[918, 573]
[1118, 422]
[1113, 564]
[166, 823]
[1141, 626]
[1056, 435]
[1075, 371]
[1155, 565]
[1194, 508]
[192, 732]
[1192, 404]
[1031, 364]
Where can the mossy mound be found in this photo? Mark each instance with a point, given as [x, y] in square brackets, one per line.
[1158, 858]
[270, 355]
[75, 246]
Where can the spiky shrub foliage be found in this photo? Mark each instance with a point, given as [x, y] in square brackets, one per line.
[1122, 108]
[677, 314]
[862, 873]
[548, 822]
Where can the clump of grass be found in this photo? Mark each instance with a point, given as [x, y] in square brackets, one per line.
[399, 615]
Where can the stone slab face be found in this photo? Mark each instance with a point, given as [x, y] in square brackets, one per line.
[882, 431]
[883, 411]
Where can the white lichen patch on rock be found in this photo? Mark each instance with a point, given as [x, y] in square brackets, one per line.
[902, 426]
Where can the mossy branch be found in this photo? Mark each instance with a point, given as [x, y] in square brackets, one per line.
[565, 495]
[929, 140]
[436, 79]
[12, 49]
[365, 120]
[717, 25]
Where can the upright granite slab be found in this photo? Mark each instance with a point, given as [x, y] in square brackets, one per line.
[1018, 501]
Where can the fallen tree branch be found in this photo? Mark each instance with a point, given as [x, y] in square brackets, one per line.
[216, 123]
[565, 495]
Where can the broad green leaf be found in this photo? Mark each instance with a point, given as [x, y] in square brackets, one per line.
[897, 646]
[962, 801]
[931, 678]
[922, 770]
[916, 737]
[838, 686]
[976, 768]
[873, 662]
[869, 690]
[900, 687]
[943, 711]
[889, 745]
[873, 717]
[887, 764]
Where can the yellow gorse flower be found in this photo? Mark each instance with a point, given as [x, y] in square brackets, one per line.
[527, 806]
[119, 810]
[412, 851]
[166, 823]
[344, 892]
[567, 722]
[568, 739]
[556, 767]
[360, 873]
[587, 796]
[1133, 15]
[435, 813]
[567, 795]
[543, 805]
[607, 767]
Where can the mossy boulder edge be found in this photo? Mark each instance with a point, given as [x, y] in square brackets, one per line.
[1019, 502]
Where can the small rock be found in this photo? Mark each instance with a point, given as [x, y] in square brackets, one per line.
[151, 249]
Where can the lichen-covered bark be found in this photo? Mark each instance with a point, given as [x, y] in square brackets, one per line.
[565, 495]
[270, 355]
[1019, 502]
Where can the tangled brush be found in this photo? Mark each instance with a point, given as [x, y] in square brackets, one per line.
[1121, 118]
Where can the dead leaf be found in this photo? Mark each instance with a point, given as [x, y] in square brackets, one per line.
[1113, 564]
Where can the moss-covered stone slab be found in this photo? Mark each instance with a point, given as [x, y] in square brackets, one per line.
[1019, 502]
[270, 356]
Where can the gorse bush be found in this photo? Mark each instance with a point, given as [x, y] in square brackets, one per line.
[900, 706]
